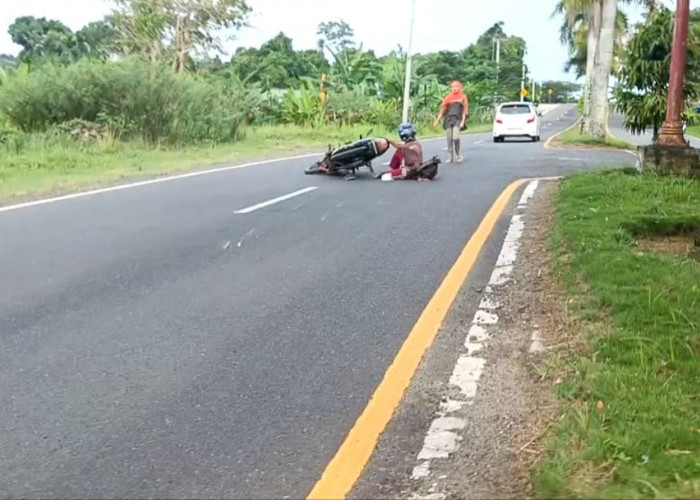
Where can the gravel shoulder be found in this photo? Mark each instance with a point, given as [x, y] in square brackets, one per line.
[504, 423]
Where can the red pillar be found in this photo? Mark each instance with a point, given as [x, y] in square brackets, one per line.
[671, 133]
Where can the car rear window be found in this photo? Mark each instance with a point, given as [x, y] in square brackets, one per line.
[515, 109]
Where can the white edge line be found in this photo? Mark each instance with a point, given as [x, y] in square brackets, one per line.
[528, 192]
[439, 442]
[150, 181]
[267, 203]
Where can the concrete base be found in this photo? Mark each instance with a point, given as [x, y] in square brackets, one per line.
[669, 160]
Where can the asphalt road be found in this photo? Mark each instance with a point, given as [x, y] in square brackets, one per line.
[617, 128]
[157, 344]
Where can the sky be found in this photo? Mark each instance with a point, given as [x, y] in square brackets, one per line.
[380, 25]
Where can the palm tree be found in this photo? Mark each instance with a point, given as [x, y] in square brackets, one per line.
[578, 14]
[601, 70]
[586, 16]
[576, 40]
[650, 5]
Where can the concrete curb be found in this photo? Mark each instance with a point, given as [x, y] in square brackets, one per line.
[547, 143]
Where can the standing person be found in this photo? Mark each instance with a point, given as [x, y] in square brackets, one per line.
[454, 110]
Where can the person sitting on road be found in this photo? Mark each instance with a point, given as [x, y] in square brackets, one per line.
[408, 158]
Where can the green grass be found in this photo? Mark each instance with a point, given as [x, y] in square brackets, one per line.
[641, 315]
[40, 166]
[573, 137]
[478, 128]
[693, 130]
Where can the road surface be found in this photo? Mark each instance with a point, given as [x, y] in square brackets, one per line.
[618, 130]
[156, 343]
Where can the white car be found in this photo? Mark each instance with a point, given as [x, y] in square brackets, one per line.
[516, 119]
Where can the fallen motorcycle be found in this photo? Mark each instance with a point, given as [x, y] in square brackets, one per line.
[349, 158]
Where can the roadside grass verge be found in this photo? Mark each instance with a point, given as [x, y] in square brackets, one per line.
[630, 422]
[573, 137]
[33, 165]
[693, 130]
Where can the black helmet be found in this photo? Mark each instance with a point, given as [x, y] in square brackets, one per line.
[407, 131]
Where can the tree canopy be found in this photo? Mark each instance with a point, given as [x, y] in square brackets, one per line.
[642, 91]
[186, 35]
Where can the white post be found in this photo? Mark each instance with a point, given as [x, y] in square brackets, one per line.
[407, 81]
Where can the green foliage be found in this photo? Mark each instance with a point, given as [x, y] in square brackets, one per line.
[133, 98]
[50, 40]
[95, 40]
[303, 107]
[43, 39]
[573, 33]
[336, 36]
[476, 66]
[173, 29]
[362, 87]
[81, 130]
[642, 90]
[354, 67]
[71, 90]
[348, 107]
[507, 79]
[140, 28]
[385, 113]
[277, 65]
[445, 65]
[392, 75]
[561, 91]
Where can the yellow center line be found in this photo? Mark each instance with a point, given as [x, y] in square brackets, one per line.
[347, 465]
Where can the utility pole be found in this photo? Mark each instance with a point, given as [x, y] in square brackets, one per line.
[534, 90]
[522, 79]
[671, 133]
[407, 80]
[497, 41]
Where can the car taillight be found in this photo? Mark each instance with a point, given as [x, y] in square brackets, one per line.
[531, 120]
[499, 121]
